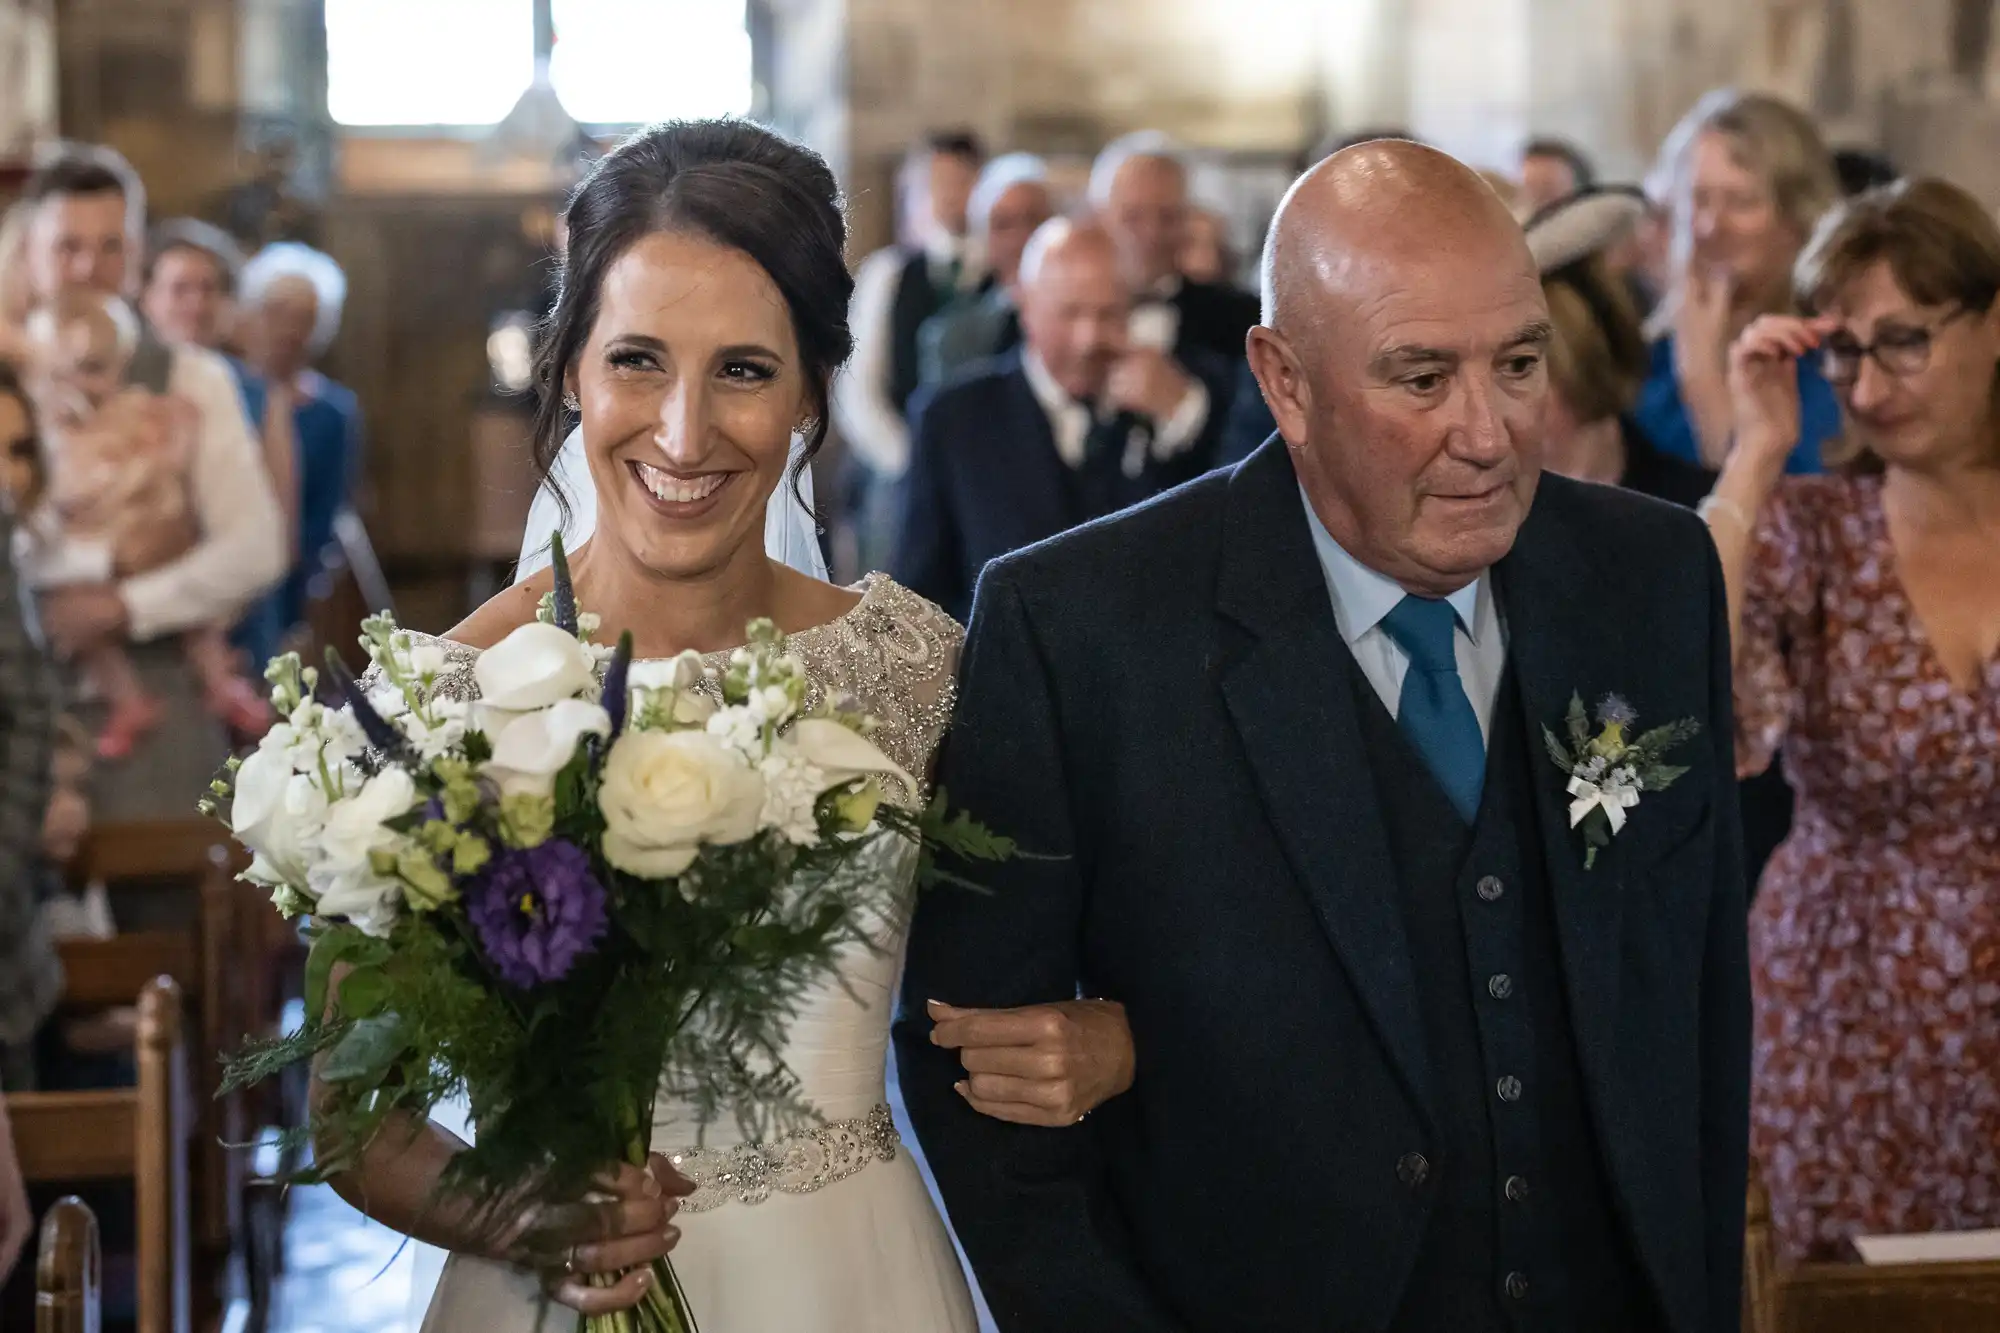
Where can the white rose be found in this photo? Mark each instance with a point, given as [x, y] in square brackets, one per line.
[534, 747]
[427, 661]
[664, 793]
[842, 753]
[273, 818]
[535, 666]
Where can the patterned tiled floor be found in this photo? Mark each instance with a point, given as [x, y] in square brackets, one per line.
[343, 1273]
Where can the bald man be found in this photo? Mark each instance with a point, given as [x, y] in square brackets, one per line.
[1077, 425]
[1410, 1055]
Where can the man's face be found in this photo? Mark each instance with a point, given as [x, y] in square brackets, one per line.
[1146, 213]
[186, 298]
[1413, 399]
[1074, 316]
[950, 183]
[79, 240]
[1014, 217]
[1546, 179]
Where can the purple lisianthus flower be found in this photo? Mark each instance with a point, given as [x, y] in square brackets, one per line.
[537, 910]
[1615, 712]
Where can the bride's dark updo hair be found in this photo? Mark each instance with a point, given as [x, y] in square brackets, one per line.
[734, 183]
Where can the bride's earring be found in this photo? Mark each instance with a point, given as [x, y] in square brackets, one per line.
[806, 427]
[572, 402]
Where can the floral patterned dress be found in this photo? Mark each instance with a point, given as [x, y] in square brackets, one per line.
[1875, 938]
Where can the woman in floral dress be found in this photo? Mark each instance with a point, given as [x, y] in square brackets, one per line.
[1867, 604]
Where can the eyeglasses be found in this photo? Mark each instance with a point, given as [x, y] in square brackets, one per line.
[1901, 350]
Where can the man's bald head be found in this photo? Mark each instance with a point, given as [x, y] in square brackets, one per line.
[1074, 305]
[1388, 201]
[1402, 356]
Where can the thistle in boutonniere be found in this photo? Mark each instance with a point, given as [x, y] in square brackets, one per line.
[1608, 773]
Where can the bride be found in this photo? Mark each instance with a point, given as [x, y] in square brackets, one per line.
[702, 317]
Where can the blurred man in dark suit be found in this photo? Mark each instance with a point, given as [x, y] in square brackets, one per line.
[1011, 200]
[1078, 424]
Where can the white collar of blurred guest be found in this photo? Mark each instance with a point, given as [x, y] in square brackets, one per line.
[1166, 290]
[1069, 420]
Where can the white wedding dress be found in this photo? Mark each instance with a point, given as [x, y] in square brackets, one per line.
[831, 1230]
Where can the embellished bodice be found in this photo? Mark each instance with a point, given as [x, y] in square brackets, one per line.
[895, 654]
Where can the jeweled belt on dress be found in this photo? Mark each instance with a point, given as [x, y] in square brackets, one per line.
[797, 1163]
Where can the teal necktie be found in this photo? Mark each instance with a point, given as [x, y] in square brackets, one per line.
[1433, 710]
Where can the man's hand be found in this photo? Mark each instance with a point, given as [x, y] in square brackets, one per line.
[83, 616]
[1046, 1064]
[1149, 383]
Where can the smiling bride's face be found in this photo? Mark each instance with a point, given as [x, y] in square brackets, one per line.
[690, 387]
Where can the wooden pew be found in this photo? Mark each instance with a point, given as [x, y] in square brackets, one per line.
[138, 1134]
[216, 965]
[1860, 1298]
[69, 1273]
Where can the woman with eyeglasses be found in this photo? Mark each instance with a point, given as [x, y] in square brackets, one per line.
[1866, 605]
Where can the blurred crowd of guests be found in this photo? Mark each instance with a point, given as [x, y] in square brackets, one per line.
[1788, 338]
[173, 469]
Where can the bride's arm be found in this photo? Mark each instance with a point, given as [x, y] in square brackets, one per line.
[624, 1226]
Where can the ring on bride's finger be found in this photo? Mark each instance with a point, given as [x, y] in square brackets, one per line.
[569, 1264]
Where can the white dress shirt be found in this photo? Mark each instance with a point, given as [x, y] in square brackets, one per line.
[1362, 597]
[877, 429]
[1070, 421]
[242, 551]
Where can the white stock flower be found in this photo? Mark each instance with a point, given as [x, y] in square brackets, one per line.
[345, 740]
[664, 793]
[739, 726]
[843, 754]
[344, 878]
[388, 700]
[427, 661]
[792, 788]
[536, 746]
[535, 666]
[434, 740]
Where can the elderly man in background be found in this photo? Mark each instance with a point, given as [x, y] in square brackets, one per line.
[1076, 425]
[1010, 201]
[85, 232]
[896, 290]
[292, 300]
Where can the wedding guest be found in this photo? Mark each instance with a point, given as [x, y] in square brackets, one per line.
[30, 976]
[1139, 191]
[1861, 170]
[293, 297]
[895, 290]
[1597, 362]
[1867, 610]
[116, 504]
[1206, 255]
[1010, 201]
[1077, 425]
[84, 230]
[1552, 170]
[1745, 176]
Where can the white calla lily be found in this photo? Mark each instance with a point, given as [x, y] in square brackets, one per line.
[842, 753]
[535, 666]
[533, 747]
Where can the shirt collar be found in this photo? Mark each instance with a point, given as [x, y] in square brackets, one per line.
[1055, 399]
[1362, 597]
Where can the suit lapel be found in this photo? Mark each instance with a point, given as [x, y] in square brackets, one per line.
[1033, 470]
[1289, 697]
[1561, 645]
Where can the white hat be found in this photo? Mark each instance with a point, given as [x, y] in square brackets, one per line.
[1581, 225]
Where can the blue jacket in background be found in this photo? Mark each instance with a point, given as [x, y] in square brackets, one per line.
[1664, 420]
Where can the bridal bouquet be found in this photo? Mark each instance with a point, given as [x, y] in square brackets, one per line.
[568, 897]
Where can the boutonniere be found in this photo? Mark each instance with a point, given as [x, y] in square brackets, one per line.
[1608, 773]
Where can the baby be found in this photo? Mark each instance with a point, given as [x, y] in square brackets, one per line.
[116, 502]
